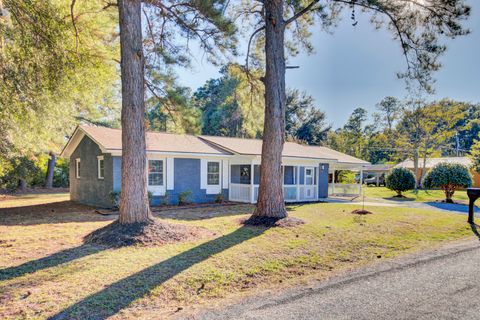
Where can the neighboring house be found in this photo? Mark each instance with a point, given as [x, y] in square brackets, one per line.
[375, 173]
[203, 165]
[432, 162]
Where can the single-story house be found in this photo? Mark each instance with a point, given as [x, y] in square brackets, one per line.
[432, 162]
[204, 166]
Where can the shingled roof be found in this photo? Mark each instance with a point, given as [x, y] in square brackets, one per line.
[110, 140]
[290, 149]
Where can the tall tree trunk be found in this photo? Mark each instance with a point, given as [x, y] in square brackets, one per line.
[415, 166]
[424, 168]
[22, 184]
[50, 170]
[134, 205]
[270, 201]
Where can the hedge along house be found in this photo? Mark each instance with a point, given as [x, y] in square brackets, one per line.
[205, 167]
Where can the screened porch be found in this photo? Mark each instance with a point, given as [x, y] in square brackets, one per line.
[336, 188]
[300, 183]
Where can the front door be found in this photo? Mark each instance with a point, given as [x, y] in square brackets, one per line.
[309, 183]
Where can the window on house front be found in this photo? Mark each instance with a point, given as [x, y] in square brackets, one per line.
[155, 172]
[289, 175]
[213, 173]
[101, 167]
[77, 167]
[245, 174]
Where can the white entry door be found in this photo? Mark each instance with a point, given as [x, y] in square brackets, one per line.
[309, 183]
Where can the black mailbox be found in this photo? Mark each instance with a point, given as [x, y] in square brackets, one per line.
[473, 194]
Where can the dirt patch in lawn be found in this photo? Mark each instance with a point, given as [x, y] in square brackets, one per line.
[361, 211]
[153, 233]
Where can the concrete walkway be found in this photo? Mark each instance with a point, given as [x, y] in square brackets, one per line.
[433, 205]
[440, 284]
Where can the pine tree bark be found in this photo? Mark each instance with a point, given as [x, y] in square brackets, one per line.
[415, 167]
[134, 205]
[270, 202]
[50, 170]
[22, 184]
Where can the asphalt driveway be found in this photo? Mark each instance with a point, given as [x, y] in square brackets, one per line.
[439, 284]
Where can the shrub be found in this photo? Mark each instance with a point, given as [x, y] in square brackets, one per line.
[448, 177]
[19, 170]
[32, 170]
[345, 176]
[150, 197]
[219, 198]
[400, 180]
[166, 199]
[115, 197]
[184, 197]
[61, 173]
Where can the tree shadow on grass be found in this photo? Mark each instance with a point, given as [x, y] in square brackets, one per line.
[50, 213]
[50, 261]
[453, 207]
[399, 199]
[122, 293]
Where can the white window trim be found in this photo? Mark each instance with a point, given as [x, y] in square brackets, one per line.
[170, 173]
[210, 189]
[226, 174]
[158, 190]
[77, 167]
[100, 158]
[219, 173]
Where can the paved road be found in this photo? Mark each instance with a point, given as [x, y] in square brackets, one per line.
[441, 284]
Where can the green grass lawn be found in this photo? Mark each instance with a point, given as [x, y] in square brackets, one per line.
[46, 270]
[7, 201]
[420, 195]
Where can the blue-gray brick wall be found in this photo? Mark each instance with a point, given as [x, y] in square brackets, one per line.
[323, 180]
[186, 177]
[88, 189]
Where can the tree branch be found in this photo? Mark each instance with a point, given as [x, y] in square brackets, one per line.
[249, 45]
[301, 12]
[72, 15]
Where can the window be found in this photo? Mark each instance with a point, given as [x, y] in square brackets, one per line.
[100, 167]
[155, 172]
[309, 177]
[213, 173]
[77, 168]
[245, 174]
[289, 175]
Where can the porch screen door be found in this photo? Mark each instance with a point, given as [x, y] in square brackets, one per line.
[309, 183]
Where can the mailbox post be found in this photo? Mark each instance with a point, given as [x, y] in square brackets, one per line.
[473, 194]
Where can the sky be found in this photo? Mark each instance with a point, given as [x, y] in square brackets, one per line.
[356, 67]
